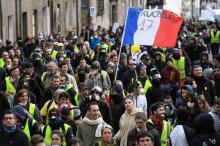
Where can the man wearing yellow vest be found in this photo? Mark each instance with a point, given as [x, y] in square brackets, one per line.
[142, 77]
[11, 82]
[157, 121]
[4, 56]
[25, 121]
[68, 87]
[55, 122]
[182, 64]
[50, 104]
[215, 40]
[63, 68]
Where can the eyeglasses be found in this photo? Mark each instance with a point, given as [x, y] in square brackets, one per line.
[8, 118]
[56, 139]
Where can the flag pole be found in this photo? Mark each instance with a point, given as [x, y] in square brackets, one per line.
[116, 73]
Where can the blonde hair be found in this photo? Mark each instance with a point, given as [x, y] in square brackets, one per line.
[202, 99]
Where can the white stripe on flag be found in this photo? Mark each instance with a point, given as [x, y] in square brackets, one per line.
[148, 24]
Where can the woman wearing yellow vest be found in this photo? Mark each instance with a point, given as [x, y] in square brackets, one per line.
[25, 122]
[22, 98]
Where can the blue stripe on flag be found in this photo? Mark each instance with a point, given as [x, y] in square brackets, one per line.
[131, 25]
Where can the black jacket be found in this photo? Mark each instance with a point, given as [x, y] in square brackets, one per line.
[156, 94]
[207, 139]
[217, 87]
[205, 87]
[206, 134]
[17, 138]
[127, 78]
[117, 109]
[4, 105]
[133, 134]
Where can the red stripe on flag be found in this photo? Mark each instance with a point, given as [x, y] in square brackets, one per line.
[168, 30]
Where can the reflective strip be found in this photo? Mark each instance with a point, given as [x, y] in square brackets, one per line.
[32, 108]
[26, 130]
[180, 65]
[54, 54]
[9, 86]
[215, 38]
[147, 86]
[48, 133]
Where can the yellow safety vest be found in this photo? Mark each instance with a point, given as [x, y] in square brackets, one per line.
[106, 47]
[215, 38]
[69, 86]
[48, 132]
[165, 133]
[76, 49]
[54, 54]
[146, 86]
[43, 76]
[31, 108]
[2, 62]
[92, 54]
[104, 73]
[180, 65]
[26, 129]
[9, 86]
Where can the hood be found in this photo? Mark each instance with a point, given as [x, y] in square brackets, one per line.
[204, 53]
[189, 88]
[204, 124]
[20, 112]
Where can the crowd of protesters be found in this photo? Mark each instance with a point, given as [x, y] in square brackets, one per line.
[88, 90]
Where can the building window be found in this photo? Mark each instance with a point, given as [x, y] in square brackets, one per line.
[58, 18]
[10, 28]
[133, 3]
[100, 7]
[114, 14]
[34, 23]
[67, 16]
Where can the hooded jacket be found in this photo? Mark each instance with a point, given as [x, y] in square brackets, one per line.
[117, 109]
[206, 134]
[25, 117]
[205, 87]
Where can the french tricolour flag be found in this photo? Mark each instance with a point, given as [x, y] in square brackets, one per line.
[151, 27]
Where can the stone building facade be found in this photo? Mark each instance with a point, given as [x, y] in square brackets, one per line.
[29, 17]
[22, 18]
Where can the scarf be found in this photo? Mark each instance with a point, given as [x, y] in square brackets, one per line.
[102, 143]
[98, 121]
[10, 129]
[158, 123]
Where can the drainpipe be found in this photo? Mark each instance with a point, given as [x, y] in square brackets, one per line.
[51, 16]
[1, 33]
[20, 16]
[77, 17]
